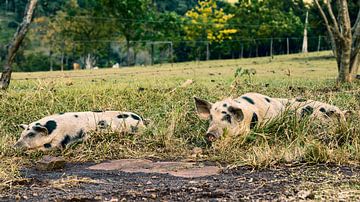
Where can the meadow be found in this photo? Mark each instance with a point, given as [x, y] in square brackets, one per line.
[175, 130]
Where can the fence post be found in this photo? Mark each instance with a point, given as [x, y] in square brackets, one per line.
[319, 43]
[152, 53]
[207, 50]
[242, 50]
[172, 53]
[287, 46]
[62, 55]
[271, 47]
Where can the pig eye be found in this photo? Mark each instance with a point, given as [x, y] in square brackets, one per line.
[31, 135]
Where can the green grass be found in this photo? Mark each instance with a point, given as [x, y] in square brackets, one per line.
[175, 129]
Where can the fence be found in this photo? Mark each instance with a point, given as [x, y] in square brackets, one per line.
[101, 53]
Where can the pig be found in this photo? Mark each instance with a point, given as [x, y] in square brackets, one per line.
[240, 115]
[61, 130]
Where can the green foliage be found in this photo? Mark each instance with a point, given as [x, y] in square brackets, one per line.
[264, 19]
[35, 62]
[208, 22]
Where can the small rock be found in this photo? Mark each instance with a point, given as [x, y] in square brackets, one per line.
[114, 200]
[305, 194]
[48, 163]
[153, 196]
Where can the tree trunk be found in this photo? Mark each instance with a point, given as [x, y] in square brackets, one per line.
[305, 39]
[344, 39]
[15, 44]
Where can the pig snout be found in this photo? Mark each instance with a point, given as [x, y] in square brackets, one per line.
[19, 145]
[212, 135]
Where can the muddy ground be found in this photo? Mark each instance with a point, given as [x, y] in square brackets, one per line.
[77, 183]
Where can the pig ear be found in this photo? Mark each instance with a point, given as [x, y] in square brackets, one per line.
[23, 126]
[40, 129]
[203, 108]
[237, 112]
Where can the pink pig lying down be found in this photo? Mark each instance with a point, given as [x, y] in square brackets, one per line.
[61, 130]
[241, 114]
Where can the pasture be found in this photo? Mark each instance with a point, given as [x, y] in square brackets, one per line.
[175, 130]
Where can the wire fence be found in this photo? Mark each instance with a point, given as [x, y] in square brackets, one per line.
[112, 53]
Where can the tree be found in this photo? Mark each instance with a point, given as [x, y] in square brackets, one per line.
[130, 17]
[15, 44]
[76, 30]
[344, 38]
[207, 22]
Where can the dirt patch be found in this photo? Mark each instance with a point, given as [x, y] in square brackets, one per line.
[179, 169]
[291, 183]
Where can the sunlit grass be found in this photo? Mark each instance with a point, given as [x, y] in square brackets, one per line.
[175, 128]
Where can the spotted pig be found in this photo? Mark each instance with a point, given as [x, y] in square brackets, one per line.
[240, 115]
[61, 130]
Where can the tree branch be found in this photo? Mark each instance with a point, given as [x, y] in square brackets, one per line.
[323, 15]
[332, 16]
[328, 27]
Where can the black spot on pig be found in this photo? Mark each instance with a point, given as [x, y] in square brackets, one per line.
[330, 113]
[268, 100]
[79, 135]
[306, 111]
[76, 116]
[225, 105]
[97, 111]
[102, 124]
[254, 120]
[47, 145]
[50, 126]
[37, 124]
[227, 118]
[249, 100]
[323, 110]
[135, 117]
[122, 116]
[61, 113]
[65, 141]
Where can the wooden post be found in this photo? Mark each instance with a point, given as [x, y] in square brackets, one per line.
[207, 50]
[319, 43]
[242, 50]
[287, 46]
[62, 56]
[271, 47]
[152, 53]
[15, 44]
[172, 53]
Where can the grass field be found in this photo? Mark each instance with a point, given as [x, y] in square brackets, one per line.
[175, 129]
